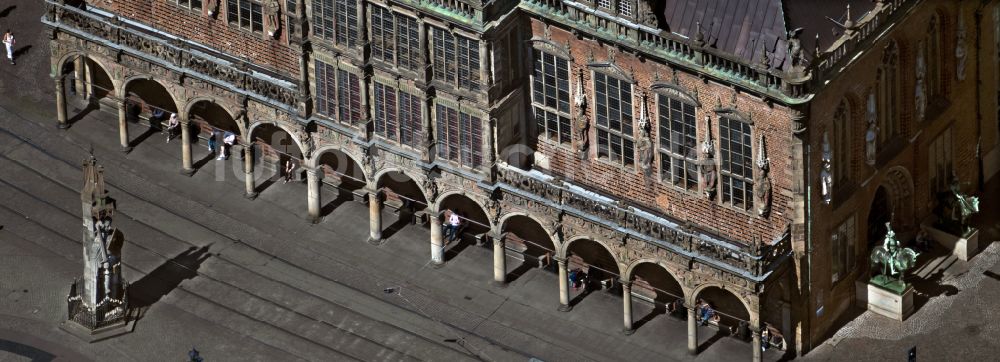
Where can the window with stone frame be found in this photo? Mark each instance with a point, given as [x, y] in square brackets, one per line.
[348, 97]
[939, 162]
[291, 15]
[736, 158]
[336, 20]
[550, 97]
[678, 143]
[606, 4]
[397, 115]
[189, 4]
[932, 53]
[245, 14]
[456, 60]
[842, 155]
[625, 7]
[395, 38]
[888, 91]
[613, 109]
[842, 244]
[459, 136]
[338, 93]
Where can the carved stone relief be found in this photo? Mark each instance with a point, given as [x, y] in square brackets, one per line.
[762, 185]
[960, 51]
[871, 135]
[919, 96]
[644, 146]
[708, 172]
[582, 123]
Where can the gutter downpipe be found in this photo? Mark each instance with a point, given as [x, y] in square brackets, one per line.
[809, 249]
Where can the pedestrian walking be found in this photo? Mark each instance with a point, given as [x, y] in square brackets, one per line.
[172, 124]
[289, 167]
[228, 140]
[453, 222]
[8, 42]
[573, 277]
[211, 142]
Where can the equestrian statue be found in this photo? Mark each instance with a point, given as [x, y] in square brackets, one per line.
[895, 260]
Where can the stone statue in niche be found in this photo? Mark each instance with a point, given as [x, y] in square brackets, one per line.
[582, 123]
[919, 98]
[795, 49]
[708, 173]
[960, 52]
[825, 174]
[762, 185]
[871, 135]
[211, 6]
[272, 9]
[644, 145]
[647, 14]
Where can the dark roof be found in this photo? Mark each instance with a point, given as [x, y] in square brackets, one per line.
[740, 27]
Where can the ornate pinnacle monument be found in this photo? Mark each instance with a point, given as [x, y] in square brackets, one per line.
[98, 304]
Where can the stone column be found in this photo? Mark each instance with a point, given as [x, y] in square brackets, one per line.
[627, 307]
[692, 332]
[88, 85]
[61, 104]
[78, 76]
[375, 217]
[755, 330]
[251, 183]
[123, 126]
[499, 261]
[563, 287]
[186, 169]
[437, 244]
[313, 177]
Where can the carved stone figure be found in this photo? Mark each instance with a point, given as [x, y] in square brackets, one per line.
[582, 123]
[308, 144]
[430, 187]
[708, 173]
[211, 6]
[825, 174]
[960, 52]
[954, 209]
[272, 9]
[762, 185]
[919, 98]
[647, 15]
[644, 145]
[795, 49]
[871, 135]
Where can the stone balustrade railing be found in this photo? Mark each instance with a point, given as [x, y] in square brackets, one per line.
[754, 258]
[867, 30]
[184, 56]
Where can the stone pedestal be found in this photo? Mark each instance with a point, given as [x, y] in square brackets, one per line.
[963, 248]
[94, 335]
[889, 303]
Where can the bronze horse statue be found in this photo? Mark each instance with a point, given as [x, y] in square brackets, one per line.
[894, 259]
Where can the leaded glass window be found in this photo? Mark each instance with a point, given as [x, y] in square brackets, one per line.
[550, 97]
[459, 136]
[737, 162]
[456, 60]
[678, 150]
[613, 108]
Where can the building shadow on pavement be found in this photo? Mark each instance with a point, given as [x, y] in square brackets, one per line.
[719, 334]
[401, 222]
[525, 266]
[460, 244]
[341, 198]
[165, 278]
[204, 160]
[80, 113]
[656, 311]
[23, 350]
[145, 135]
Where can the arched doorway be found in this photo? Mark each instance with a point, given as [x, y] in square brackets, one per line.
[729, 311]
[473, 227]
[595, 269]
[149, 103]
[402, 196]
[342, 175]
[879, 214]
[274, 149]
[529, 242]
[655, 284]
[205, 117]
[88, 85]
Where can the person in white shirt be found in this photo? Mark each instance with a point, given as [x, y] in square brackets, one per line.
[453, 222]
[228, 139]
[8, 42]
[172, 124]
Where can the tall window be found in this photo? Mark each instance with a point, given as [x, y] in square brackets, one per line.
[389, 30]
[550, 97]
[459, 136]
[456, 60]
[842, 156]
[348, 96]
[932, 51]
[625, 7]
[190, 4]
[336, 20]
[737, 162]
[678, 154]
[842, 250]
[246, 14]
[338, 93]
[613, 107]
[604, 4]
[888, 89]
[939, 162]
[397, 115]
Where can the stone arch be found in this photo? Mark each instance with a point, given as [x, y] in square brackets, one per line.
[355, 170]
[213, 108]
[899, 185]
[613, 258]
[408, 188]
[280, 125]
[717, 289]
[470, 208]
[527, 240]
[662, 290]
[134, 107]
[68, 57]
[191, 102]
